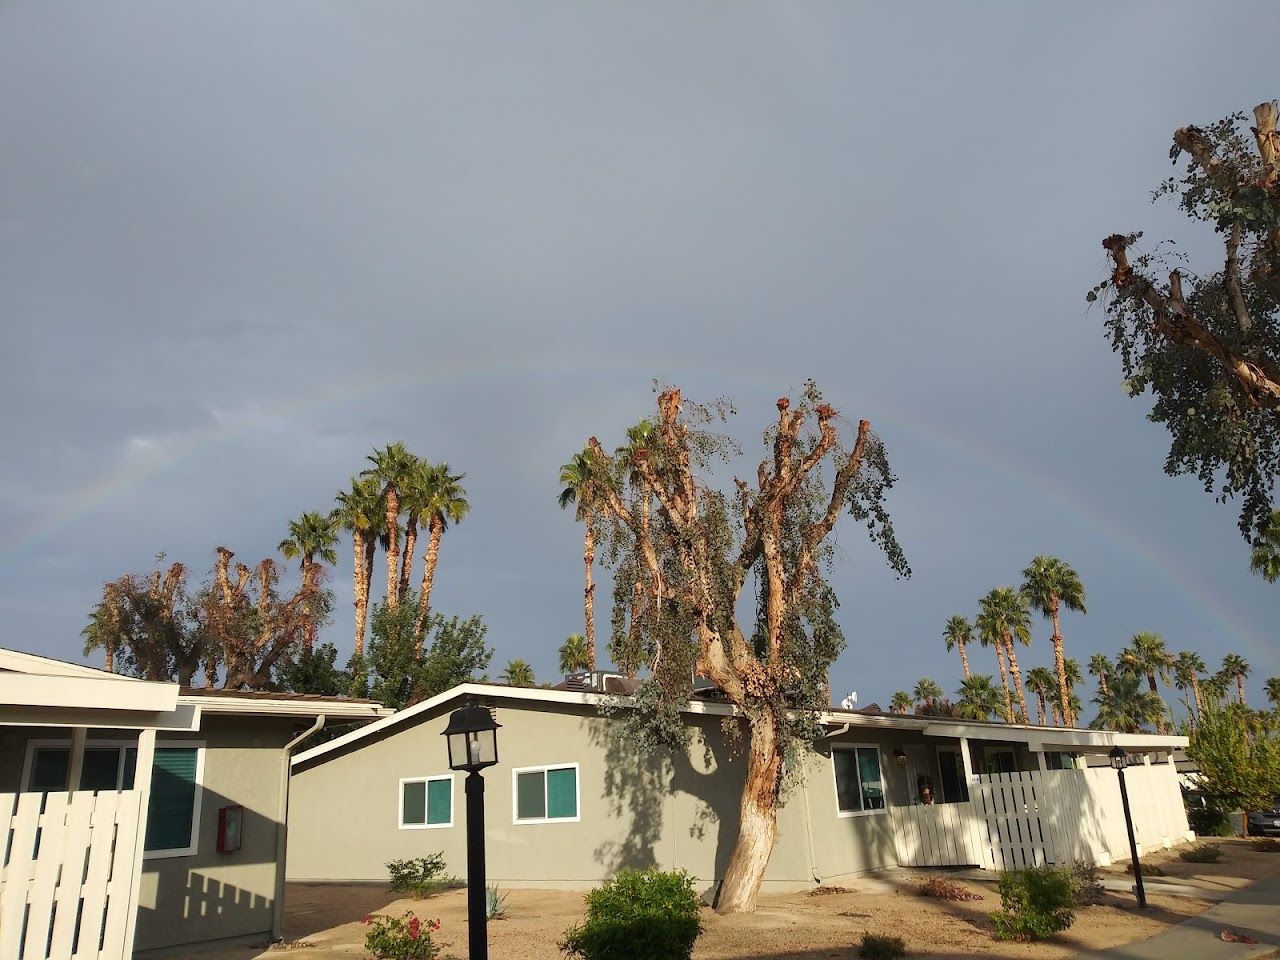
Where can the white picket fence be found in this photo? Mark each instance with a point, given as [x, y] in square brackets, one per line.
[1043, 817]
[67, 874]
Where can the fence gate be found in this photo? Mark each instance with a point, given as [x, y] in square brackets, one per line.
[67, 874]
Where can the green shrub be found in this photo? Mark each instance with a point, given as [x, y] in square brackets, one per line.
[1086, 884]
[1210, 822]
[875, 947]
[1036, 903]
[638, 915]
[419, 876]
[401, 938]
[1201, 853]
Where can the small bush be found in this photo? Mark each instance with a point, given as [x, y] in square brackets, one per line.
[1202, 853]
[875, 947]
[638, 915]
[1210, 822]
[1266, 846]
[420, 876]
[1035, 903]
[1086, 884]
[495, 903]
[942, 889]
[401, 938]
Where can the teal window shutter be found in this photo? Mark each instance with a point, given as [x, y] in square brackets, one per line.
[439, 801]
[562, 793]
[531, 796]
[414, 804]
[869, 773]
[173, 799]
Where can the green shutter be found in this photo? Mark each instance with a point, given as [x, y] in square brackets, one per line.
[414, 808]
[562, 793]
[173, 799]
[439, 801]
[531, 798]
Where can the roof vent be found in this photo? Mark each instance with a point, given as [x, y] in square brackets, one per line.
[595, 681]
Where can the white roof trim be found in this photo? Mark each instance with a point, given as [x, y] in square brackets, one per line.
[85, 693]
[284, 707]
[30, 663]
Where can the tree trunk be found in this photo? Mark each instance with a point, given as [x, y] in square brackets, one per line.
[1017, 678]
[359, 588]
[1151, 682]
[589, 592]
[964, 658]
[370, 556]
[1240, 686]
[1004, 681]
[109, 657]
[308, 586]
[406, 558]
[1040, 707]
[1102, 684]
[758, 821]
[1195, 694]
[393, 546]
[435, 530]
[1060, 667]
[211, 672]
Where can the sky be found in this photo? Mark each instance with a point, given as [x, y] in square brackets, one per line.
[244, 244]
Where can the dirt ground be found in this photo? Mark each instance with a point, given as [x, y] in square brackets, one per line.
[323, 921]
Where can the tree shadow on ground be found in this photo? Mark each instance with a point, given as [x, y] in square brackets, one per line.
[313, 907]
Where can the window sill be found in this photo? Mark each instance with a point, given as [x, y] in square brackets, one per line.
[425, 826]
[169, 854]
[846, 814]
[521, 823]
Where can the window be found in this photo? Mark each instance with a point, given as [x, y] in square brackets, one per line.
[545, 794]
[106, 767]
[426, 802]
[859, 782]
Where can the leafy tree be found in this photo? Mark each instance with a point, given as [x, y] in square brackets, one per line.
[311, 535]
[518, 673]
[1273, 691]
[901, 702]
[958, 633]
[581, 489]
[444, 503]
[1071, 668]
[1040, 680]
[702, 546]
[360, 510]
[573, 654]
[456, 652]
[979, 699]
[143, 625]
[1101, 667]
[1236, 668]
[1187, 668]
[1238, 751]
[1003, 616]
[1207, 344]
[1216, 687]
[314, 670]
[1146, 656]
[927, 692]
[1049, 585]
[1126, 707]
[1265, 558]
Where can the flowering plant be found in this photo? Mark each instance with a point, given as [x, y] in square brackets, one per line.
[401, 938]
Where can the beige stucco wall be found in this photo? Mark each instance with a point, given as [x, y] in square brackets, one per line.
[634, 811]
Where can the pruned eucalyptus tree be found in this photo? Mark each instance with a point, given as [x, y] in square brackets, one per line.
[702, 546]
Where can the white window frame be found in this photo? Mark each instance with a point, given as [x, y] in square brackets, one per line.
[400, 803]
[543, 768]
[194, 847]
[835, 783]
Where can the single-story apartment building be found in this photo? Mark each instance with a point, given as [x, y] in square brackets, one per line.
[569, 804]
[141, 813]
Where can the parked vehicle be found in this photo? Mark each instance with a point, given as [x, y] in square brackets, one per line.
[1265, 822]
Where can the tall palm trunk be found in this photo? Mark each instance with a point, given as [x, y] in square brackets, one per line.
[1240, 686]
[1060, 667]
[1040, 706]
[406, 558]
[1004, 681]
[757, 820]
[309, 577]
[359, 587]
[1151, 682]
[964, 657]
[1103, 687]
[393, 546]
[435, 530]
[589, 592]
[1017, 677]
[1195, 694]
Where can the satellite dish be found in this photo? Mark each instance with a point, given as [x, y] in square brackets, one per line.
[849, 702]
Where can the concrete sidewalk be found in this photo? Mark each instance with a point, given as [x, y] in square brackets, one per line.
[1253, 911]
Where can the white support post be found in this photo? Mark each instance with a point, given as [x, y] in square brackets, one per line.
[75, 759]
[142, 785]
[967, 761]
[1044, 767]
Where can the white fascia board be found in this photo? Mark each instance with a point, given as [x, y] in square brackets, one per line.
[265, 707]
[20, 662]
[182, 719]
[31, 690]
[1041, 738]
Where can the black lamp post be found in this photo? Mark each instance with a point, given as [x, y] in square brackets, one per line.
[472, 735]
[1120, 760]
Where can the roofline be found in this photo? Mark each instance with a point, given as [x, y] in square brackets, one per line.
[267, 706]
[34, 663]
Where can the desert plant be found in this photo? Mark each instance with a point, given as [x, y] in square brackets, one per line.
[1036, 903]
[495, 903]
[638, 915]
[1086, 884]
[876, 947]
[401, 938]
[1201, 853]
[419, 876]
[941, 888]
[1210, 821]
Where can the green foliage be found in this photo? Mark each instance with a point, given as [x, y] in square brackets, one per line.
[454, 652]
[495, 903]
[1201, 853]
[638, 915]
[573, 654]
[518, 673]
[1127, 706]
[1035, 903]
[401, 938]
[979, 698]
[1210, 821]
[314, 671]
[1238, 751]
[419, 876]
[877, 947]
[1086, 883]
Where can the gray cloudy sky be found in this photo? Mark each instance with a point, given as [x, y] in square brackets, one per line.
[243, 243]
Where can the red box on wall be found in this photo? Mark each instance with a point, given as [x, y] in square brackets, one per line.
[230, 827]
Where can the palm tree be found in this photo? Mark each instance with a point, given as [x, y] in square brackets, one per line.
[901, 702]
[445, 503]
[1049, 584]
[1216, 687]
[979, 699]
[1187, 667]
[310, 535]
[927, 693]
[1147, 656]
[518, 674]
[573, 654]
[1272, 687]
[1040, 680]
[958, 633]
[414, 496]
[1126, 707]
[1005, 614]
[1265, 559]
[359, 510]
[991, 634]
[393, 467]
[1071, 667]
[581, 487]
[1101, 667]
[1237, 668]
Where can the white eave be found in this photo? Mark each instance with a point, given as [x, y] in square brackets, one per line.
[285, 707]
